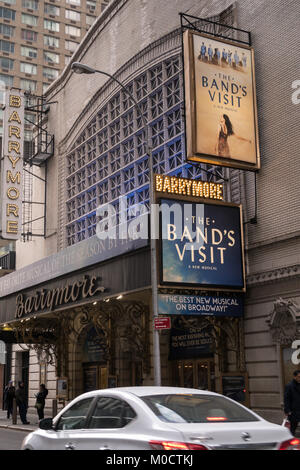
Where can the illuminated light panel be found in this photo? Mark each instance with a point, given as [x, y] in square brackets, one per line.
[216, 418]
[187, 187]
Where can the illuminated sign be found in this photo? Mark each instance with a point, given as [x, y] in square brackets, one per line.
[220, 102]
[201, 245]
[12, 165]
[187, 187]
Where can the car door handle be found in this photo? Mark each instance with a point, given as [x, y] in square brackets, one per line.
[104, 448]
[70, 446]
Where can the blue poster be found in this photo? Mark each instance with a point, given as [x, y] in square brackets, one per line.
[201, 245]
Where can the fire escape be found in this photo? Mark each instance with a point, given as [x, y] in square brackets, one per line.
[38, 149]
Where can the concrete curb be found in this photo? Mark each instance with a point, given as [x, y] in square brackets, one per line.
[15, 427]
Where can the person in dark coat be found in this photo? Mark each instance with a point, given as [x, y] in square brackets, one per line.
[292, 401]
[21, 399]
[40, 401]
[9, 395]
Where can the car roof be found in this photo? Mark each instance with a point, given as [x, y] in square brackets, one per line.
[141, 391]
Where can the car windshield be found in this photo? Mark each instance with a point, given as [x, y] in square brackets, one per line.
[193, 408]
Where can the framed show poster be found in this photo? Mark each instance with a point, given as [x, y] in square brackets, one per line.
[62, 388]
[235, 386]
[220, 102]
[201, 245]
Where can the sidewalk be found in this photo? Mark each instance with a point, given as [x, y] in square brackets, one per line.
[7, 423]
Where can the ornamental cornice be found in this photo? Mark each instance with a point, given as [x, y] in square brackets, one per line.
[278, 274]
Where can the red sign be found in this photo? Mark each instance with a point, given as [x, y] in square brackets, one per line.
[162, 323]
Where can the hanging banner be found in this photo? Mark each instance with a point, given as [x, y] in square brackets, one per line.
[12, 165]
[220, 100]
[206, 305]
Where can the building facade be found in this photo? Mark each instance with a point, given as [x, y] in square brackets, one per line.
[80, 306]
[38, 39]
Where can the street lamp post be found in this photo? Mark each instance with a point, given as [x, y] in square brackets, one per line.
[77, 67]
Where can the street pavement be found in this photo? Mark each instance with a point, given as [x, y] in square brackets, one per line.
[11, 439]
[7, 423]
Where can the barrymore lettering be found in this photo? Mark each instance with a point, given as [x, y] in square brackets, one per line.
[49, 299]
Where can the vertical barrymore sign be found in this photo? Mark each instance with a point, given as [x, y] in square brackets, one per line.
[12, 165]
[220, 101]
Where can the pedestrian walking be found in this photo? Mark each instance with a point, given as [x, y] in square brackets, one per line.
[9, 395]
[40, 401]
[292, 401]
[21, 399]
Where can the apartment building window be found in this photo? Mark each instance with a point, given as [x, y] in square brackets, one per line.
[6, 63]
[74, 2]
[29, 19]
[90, 19]
[7, 14]
[50, 41]
[7, 30]
[67, 59]
[8, 80]
[72, 30]
[71, 45]
[51, 25]
[51, 9]
[51, 57]
[72, 15]
[28, 68]
[28, 35]
[29, 52]
[50, 73]
[30, 4]
[11, 2]
[28, 85]
[91, 4]
[6, 46]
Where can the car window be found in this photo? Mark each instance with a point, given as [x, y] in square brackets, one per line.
[111, 413]
[75, 417]
[193, 408]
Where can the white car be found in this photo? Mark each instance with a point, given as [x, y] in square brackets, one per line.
[159, 418]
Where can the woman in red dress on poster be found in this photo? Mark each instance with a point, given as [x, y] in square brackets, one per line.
[225, 131]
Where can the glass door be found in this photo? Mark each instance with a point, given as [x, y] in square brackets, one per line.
[194, 373]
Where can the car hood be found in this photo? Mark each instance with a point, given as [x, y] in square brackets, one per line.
[237, 434]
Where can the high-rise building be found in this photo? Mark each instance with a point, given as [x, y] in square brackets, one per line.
[37, 38]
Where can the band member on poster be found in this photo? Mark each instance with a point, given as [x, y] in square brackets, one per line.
[230, 58]
[236, 59]
[210, 53]
[224, 57]
[244, 60]
[202, 52]
[225, 131]
[217, 56]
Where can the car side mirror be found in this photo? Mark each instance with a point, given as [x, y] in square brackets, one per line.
[46, 423]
